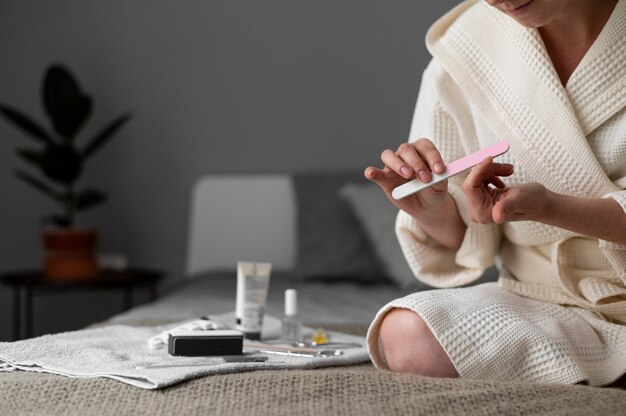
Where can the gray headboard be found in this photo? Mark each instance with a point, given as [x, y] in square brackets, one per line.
[241, 218]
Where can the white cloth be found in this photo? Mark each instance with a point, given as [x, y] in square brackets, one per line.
[122, 353]
[491, 79]
[206, 324]
[491, 333]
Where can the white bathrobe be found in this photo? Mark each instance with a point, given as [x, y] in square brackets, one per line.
[558, 311]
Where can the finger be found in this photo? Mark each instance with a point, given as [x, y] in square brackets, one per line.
[503, 169]
[396, 164]
[375, 175]
[497, 182]
[485, 171]
[499, 212]
[506, 206]
[429, 153]
[480, 173]
[371, 173]
[384, 178]
[408, 153]
[440, 187]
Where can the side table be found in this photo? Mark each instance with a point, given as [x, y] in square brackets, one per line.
[32, 282]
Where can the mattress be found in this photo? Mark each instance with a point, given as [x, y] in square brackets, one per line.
[318, 301]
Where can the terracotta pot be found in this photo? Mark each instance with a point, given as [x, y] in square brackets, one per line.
[70, 254]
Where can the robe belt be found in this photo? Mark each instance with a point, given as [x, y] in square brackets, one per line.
[562, 279]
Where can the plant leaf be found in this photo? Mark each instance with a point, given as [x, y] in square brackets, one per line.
[58, 220]
[39, 185]
[62, 163]
[100, 139]
[89, 198]
[33, 157]
[25, 123]
[66, 105]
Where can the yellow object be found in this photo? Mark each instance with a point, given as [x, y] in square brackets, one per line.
[319, 336]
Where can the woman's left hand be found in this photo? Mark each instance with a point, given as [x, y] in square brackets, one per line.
[499, 203]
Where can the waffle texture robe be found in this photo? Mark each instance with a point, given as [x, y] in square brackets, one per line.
[558, 310]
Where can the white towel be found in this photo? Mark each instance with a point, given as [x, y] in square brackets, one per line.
[121, 352]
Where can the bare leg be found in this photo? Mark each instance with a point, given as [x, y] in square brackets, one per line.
[408, 346]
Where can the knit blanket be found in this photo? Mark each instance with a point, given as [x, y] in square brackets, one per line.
[351, 390]
[347, 390]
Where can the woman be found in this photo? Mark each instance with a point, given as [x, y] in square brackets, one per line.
[548, 76]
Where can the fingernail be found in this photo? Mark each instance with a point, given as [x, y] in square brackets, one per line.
[405, 171]
[423, 175]
[438, 167]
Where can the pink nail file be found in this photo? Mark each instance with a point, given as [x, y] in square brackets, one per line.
[453, 168]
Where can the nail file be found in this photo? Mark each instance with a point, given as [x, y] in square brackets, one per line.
[453, 168]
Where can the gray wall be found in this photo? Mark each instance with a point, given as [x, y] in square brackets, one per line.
[215, 86]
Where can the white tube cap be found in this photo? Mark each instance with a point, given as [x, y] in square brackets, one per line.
[291, 302]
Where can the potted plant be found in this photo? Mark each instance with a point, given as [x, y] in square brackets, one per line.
[70, 251]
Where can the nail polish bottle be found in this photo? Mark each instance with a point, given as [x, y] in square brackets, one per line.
[292, 325]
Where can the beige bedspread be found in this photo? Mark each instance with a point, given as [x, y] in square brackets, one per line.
[350, 390]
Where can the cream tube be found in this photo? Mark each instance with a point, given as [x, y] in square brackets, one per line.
[252, 284]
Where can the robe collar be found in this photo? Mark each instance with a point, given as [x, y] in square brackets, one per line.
[597, 87]
[507, 75]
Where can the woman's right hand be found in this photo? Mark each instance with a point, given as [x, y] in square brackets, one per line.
[412, 160]
[433, 208]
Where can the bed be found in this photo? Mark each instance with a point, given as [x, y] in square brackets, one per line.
[305, 225]
[330, 236]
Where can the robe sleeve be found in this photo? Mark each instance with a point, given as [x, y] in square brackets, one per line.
[430, 262]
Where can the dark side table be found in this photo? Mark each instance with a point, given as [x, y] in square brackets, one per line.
[32, 282]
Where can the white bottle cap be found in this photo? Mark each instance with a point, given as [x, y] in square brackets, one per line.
[291, 302]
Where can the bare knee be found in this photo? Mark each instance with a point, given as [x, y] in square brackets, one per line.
[409, 346]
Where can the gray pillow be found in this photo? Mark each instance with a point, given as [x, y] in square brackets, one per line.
[332, 244]
[378, 217]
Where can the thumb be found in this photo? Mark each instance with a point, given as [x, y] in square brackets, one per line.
[440, 187]
[502, 209]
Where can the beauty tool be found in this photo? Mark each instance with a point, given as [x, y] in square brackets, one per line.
[453, 168]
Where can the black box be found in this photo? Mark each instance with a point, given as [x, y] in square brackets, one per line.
[205, 343]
